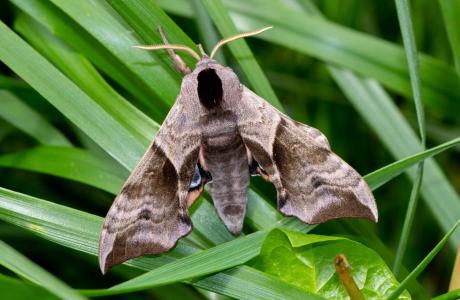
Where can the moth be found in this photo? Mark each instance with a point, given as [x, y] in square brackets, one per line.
[219, 133]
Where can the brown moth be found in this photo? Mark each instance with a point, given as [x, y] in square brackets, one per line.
[220, 132]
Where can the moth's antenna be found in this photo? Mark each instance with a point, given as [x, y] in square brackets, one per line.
[200, 47]
[179, 64]
[237, 36]
[171, 46]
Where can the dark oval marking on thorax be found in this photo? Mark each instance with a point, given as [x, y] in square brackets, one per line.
[210, 90]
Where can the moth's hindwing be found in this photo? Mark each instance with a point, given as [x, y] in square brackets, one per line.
[312, 182]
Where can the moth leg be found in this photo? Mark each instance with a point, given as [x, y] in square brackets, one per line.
[180, 65]
[200, 178]
[255, 169]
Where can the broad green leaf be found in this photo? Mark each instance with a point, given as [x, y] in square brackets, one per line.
[16, 289]
[24, 267]
[21, 116]
[241, 51]
[307, 261]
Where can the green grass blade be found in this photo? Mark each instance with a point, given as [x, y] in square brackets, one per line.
[79, 230]
[405, 24]
[69, 99]
[24, 267]
[451, 10]
[377, 109]
[86, 77]
[423, 264]
[407, 31]
[207, 31]
[16, 289]
[452, 295]
[408, 220]
[21, 116]
[99, 19]
[70, 163]
[92, 28]
[245, 283]
[365, 54]
[381, 176]
[218, 258]
[70, 227]
[144, 17]
[241, 51]
[342, 46]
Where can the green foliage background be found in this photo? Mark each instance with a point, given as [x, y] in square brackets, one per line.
[79, 106]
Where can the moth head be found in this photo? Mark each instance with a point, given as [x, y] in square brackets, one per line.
[210, 78]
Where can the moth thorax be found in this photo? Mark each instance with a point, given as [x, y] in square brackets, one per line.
[209, 88]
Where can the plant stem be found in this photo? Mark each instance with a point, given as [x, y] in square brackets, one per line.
[342, 268]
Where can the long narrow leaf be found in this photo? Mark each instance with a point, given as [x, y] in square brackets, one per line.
[91, 28]
[379, 177]
[79, 231]
[15, 289]
[405, 24]
[375, 106]
[69, 99]
[424, 263]
[21, 265]
[247, 283]
[86, 77]
[221, 257]
[334, 43]
[451, 10]
[70, 163]
[21, 116]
